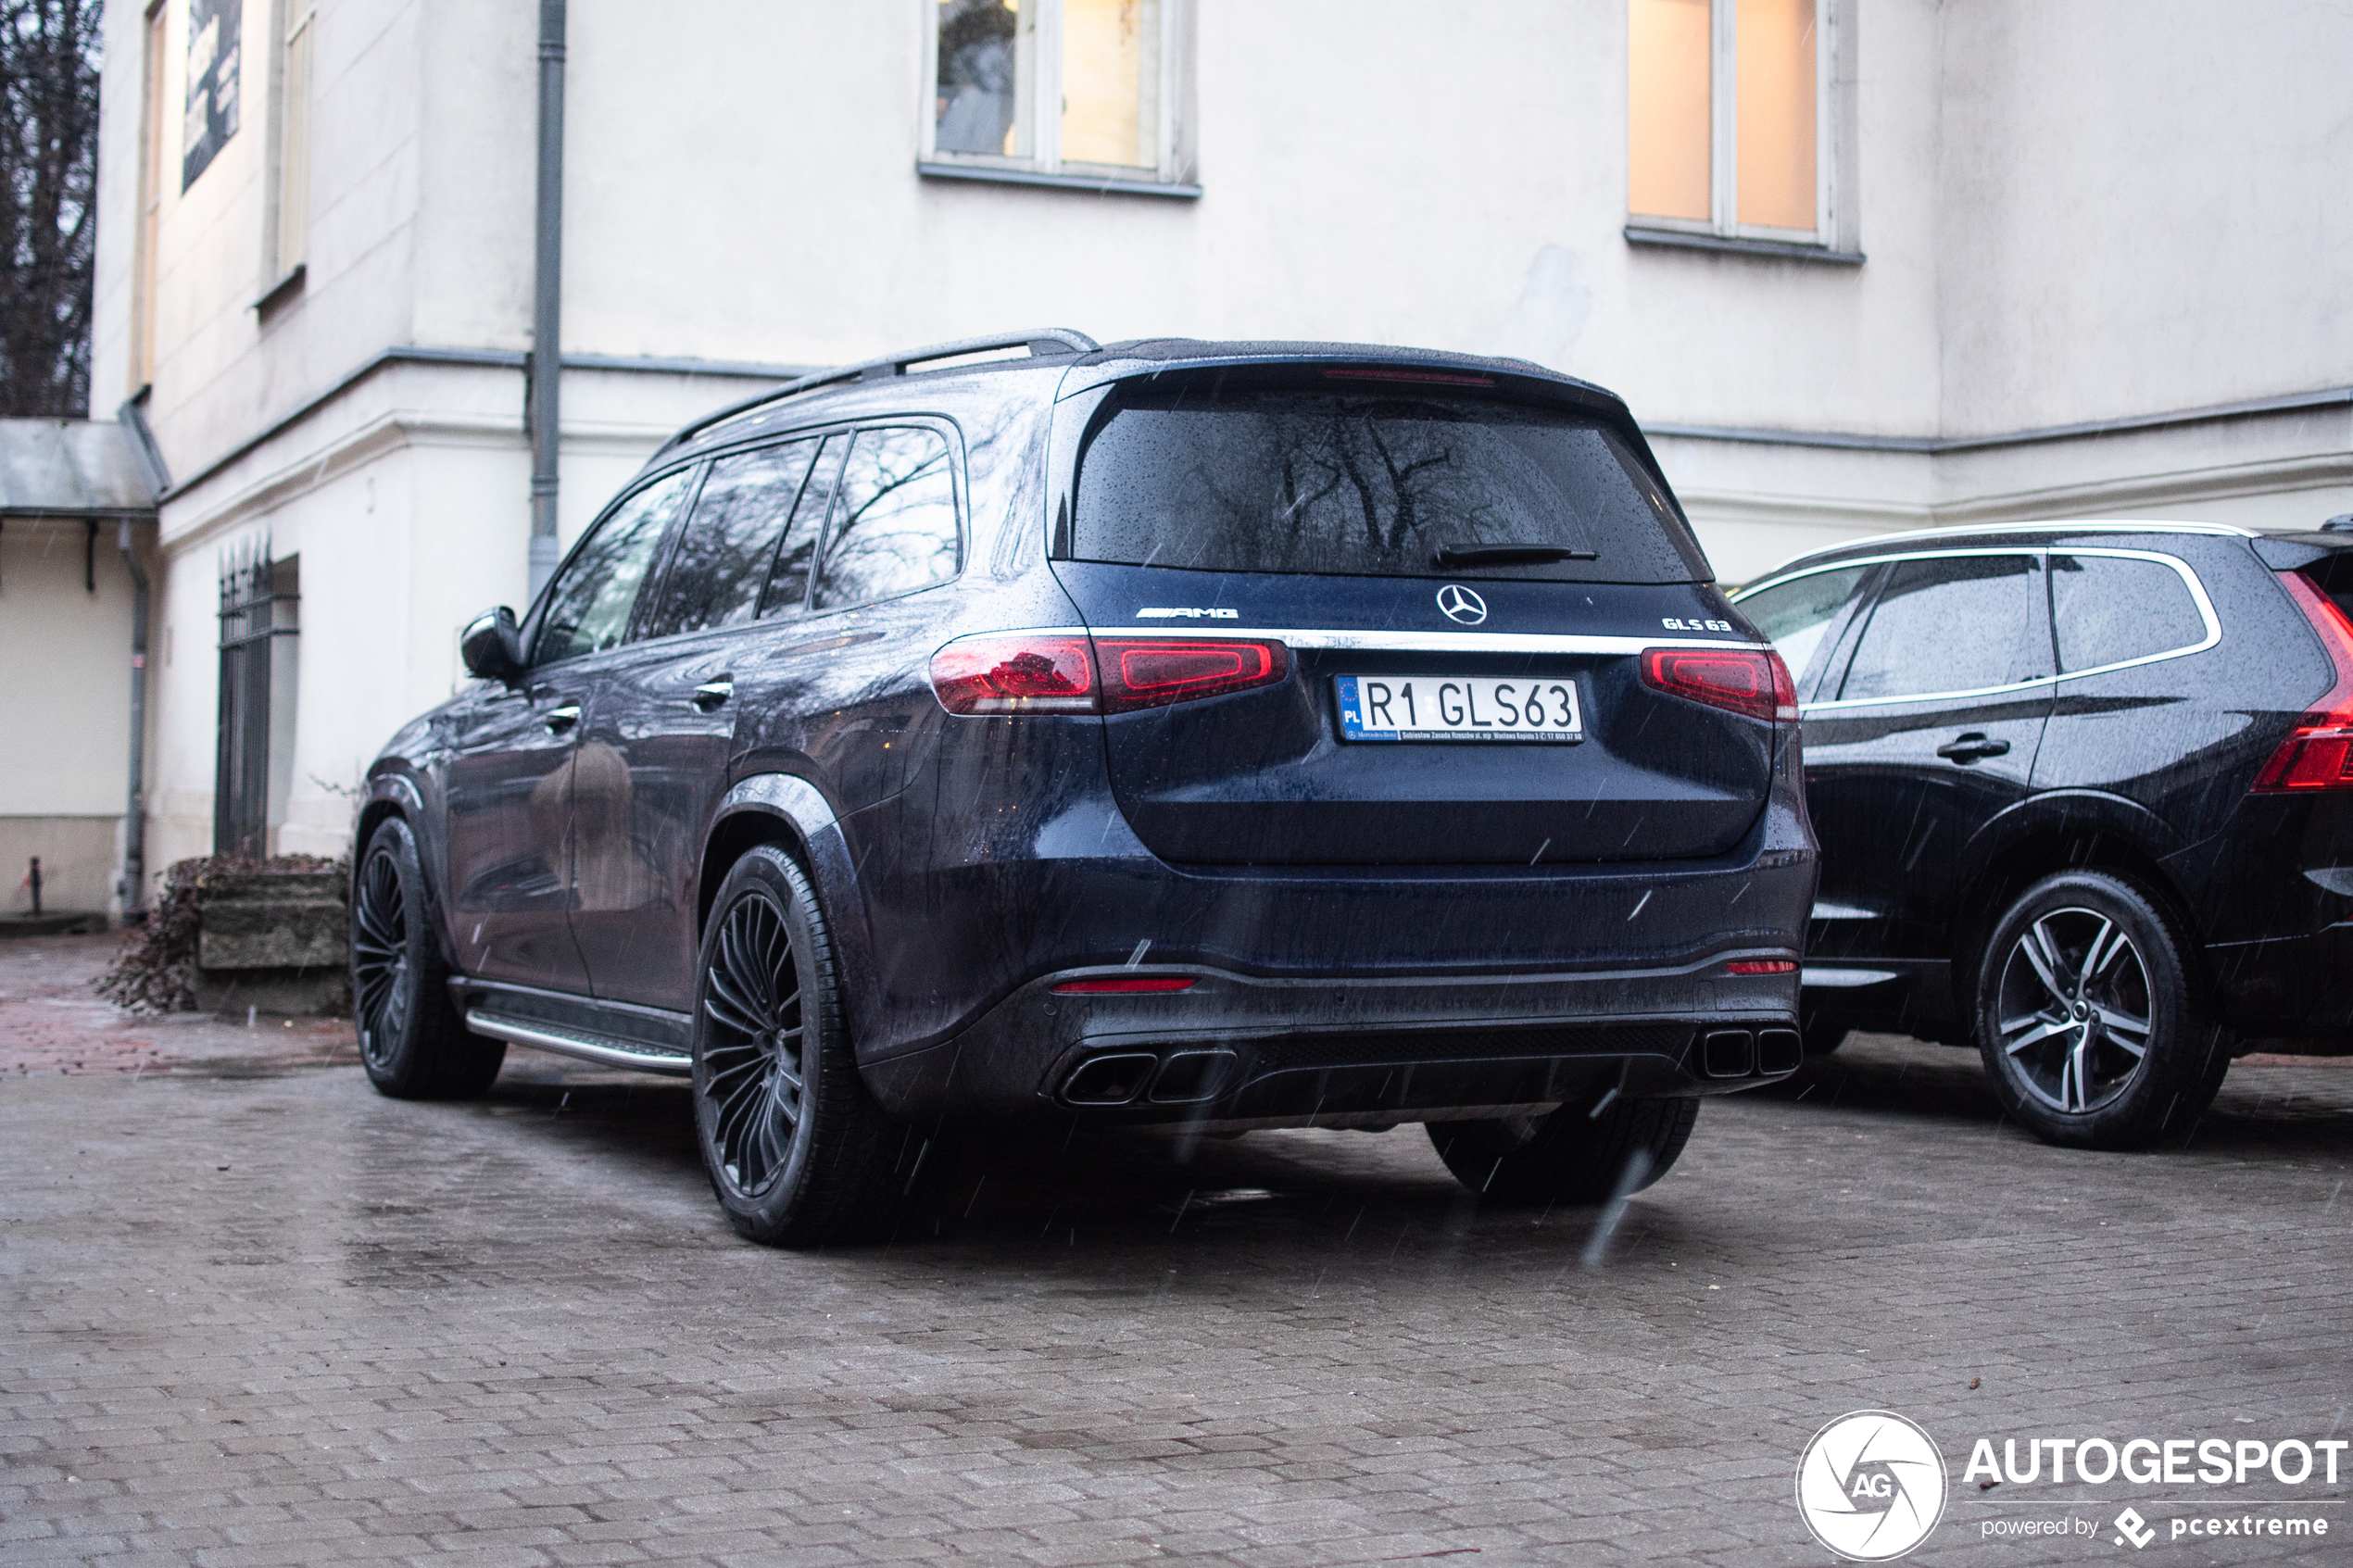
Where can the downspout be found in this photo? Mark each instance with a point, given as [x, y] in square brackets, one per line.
[547, 300]
[135, 820]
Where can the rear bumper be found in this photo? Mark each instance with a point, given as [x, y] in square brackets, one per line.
[2289, 993]
[1236, 1049]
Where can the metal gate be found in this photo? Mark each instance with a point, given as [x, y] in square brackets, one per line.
[249, 630]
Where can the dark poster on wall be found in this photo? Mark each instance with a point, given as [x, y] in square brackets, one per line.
[212, 84]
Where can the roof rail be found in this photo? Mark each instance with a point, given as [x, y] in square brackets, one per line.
[1040, 342]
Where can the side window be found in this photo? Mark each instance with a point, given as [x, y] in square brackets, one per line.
[894, 530]
[788, 579]
[724, 554]
[1956, 623]
[588, 608]
[2110, 609]
[1797, 616]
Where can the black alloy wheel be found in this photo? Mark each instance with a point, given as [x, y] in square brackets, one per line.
[1579, 1154]
[797, 1150]
[2088, 1021]
[411, 1041]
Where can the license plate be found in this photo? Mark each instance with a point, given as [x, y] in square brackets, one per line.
[1457, 708]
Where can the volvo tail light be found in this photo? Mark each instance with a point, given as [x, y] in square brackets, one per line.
[2318, 754]
[1750, 681]
[1070, 673]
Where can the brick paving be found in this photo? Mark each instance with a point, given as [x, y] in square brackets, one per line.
[252, 1313]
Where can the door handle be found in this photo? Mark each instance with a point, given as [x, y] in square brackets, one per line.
[712, 694]
[1971, 747]
[560, 720]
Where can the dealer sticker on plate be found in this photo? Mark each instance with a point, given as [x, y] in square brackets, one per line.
[1417, 707]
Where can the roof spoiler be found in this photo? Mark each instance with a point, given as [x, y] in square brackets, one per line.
[1042, 342]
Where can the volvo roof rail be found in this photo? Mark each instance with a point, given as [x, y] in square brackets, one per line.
[1040, 341]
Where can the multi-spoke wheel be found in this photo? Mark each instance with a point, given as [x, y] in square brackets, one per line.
[2087, 1019]
[797, 1149]
[412, 1040]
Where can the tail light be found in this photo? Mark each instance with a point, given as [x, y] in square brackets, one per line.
[1753, 682]
[1070, 673]
[1761, 966]
[2318, 754]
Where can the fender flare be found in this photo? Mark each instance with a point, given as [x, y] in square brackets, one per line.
[802, 807]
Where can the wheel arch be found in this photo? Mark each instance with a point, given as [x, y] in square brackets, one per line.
[2062, 832]
[787, 810]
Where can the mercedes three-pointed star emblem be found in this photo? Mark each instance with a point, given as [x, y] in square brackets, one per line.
[1460, 604]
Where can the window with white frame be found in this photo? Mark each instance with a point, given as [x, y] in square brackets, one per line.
[291, 220]
[1086, 89]
[1729, 123]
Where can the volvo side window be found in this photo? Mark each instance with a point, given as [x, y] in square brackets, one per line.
[2110, 608]
[1798, 616]
[589, 606]
[894, 528]
[1953, 623]
[725, 552]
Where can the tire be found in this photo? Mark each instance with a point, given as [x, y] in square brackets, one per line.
[798, 1152]
[2092, 1025]
[1571, 1156]
[411, 1041]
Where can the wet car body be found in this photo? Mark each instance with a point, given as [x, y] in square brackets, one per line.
[1935, 810]
[1219, 909]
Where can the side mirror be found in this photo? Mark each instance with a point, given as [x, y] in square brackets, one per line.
[492, 646]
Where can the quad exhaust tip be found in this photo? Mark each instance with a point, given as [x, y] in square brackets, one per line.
[1737, 1053]
[1185, 1078]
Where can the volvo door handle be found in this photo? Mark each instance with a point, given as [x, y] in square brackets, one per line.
[1971, 747]
[560, 720]
[710, 695]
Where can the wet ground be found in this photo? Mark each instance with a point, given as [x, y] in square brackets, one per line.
[251, 1312]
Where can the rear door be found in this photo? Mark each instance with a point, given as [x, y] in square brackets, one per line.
[663, 720]
[1462, 587]
[1927, 732]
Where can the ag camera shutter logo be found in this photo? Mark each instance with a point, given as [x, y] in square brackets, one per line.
[1871, 1486]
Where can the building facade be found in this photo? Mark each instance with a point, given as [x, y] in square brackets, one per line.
[1858, 264]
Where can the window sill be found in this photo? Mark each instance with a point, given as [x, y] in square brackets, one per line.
[1095, 185]
[1778, 250]
[281, 291]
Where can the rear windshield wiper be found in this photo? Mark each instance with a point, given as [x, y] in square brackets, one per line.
[1508, 555]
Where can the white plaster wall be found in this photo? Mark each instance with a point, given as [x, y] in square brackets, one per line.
[2146, 206]
[65, 674]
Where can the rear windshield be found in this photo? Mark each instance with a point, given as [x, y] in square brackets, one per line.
[1372, 481]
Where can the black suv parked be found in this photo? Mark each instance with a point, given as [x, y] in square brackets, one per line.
[1242, 733]
[2085, 797]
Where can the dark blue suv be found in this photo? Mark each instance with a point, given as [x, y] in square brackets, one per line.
[1239, 734]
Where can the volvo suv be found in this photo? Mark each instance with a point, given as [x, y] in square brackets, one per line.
[2085, 798]
[1230, 734]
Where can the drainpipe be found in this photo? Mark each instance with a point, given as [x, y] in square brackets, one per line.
[135, 820]
[547, 300]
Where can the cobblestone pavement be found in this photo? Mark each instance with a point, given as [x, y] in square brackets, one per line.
[250, 1312]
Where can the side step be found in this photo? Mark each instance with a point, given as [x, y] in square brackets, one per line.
[541, 1034]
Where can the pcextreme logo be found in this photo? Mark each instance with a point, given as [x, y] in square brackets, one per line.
[1870, 1485]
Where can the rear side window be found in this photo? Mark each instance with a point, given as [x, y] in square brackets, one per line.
[2110, 608]
[1955, 624]
[894, 528]
[1797, 616]
[1226, 475]
[589, 605]
[724, 554]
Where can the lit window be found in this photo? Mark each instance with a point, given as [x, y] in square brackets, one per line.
[1083, 89]
[1726, 117]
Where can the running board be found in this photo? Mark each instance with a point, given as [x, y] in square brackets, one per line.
[542, 1035]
